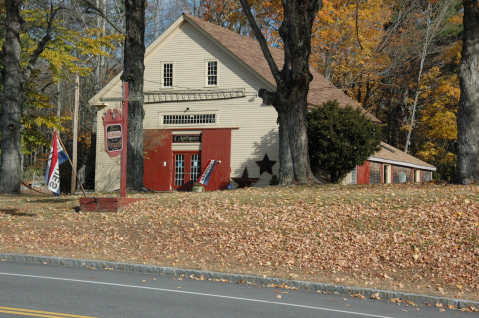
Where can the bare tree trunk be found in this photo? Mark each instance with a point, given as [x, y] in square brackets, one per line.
[432, 30]
[392, 126]
[292, 85]
[134, 68]
[59, 104]
[12, 99]
[468, 114]
[157, 18]
[296, 125]
[286, 174]
[418, 83]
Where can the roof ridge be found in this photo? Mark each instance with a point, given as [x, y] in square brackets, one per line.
[382, 154]
[253, 40]
[249, 51]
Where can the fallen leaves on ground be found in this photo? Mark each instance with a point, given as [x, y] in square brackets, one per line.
[412, 237]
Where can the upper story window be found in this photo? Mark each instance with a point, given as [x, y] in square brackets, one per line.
[168, 75]
[212, 73]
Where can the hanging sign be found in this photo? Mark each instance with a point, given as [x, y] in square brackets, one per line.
[113, 121]
[186, 138]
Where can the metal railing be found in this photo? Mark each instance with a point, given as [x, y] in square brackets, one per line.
[191, 95]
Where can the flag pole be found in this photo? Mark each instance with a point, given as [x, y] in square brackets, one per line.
[64, 149]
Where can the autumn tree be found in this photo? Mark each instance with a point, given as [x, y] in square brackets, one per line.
[437, 130]
[468, 115]
[436, 19]
[292, 85]
[12, 97]
[340, 138]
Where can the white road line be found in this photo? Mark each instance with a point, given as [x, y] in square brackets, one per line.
[199, 294]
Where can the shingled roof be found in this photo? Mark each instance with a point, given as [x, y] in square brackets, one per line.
[321, 90]
[390, 153]
[249, 51]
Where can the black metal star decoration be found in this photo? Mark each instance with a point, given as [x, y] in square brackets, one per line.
[265, 165]
[245, 180]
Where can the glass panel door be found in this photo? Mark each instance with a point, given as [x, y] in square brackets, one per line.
[187, 170]
[179, 170]
[195, 168]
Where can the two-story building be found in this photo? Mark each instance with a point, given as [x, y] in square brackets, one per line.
[201, 84]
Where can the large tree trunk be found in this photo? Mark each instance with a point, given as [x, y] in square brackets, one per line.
[134, 68]
[12, 100]
[12, 97]
[292, 86]
[286, 174]
[468, 114]
[295, 124]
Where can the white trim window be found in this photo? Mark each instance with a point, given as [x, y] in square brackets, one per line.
[189, 119]
[211, 73]
[167, 75]
[206, 118]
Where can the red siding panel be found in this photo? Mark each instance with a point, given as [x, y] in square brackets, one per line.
[363, 173]
[381, 172]
[157, 175]
[216, 145]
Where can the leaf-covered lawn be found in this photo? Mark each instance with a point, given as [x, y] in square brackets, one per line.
[421, 238]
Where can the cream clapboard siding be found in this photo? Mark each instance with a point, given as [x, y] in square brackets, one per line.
[188, 50]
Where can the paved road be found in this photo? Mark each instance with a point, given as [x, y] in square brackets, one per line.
[35, 290]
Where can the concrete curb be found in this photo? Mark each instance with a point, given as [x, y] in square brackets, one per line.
[237, 278]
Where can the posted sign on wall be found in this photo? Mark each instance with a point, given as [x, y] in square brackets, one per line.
[113, 121]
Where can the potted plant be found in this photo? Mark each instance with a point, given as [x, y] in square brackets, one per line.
[198, 187]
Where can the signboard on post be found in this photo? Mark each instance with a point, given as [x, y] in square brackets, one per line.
[116, 140]
[113, 123]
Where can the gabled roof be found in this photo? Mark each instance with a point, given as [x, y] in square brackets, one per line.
[249, 51]
[389, 154]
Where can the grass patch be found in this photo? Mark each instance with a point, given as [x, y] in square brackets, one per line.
[420, 238]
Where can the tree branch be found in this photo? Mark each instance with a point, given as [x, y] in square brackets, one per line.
[43, 43]
[357, 28]
[262, 42]
[91, 5]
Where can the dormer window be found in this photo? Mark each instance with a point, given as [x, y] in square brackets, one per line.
[167, 75]
[212, 73]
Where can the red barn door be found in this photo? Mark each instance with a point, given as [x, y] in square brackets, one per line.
[158, 165]
[363, 173]
[216, 145]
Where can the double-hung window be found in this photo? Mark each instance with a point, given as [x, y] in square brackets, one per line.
[212, 73]
[167, 74]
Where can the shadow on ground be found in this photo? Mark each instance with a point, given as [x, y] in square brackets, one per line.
[16, 212]
[53, 200]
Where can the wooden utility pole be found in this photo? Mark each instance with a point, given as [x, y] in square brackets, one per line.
[124, 153]
[75, 133]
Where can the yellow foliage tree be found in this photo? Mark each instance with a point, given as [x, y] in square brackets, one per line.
[68, 52]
